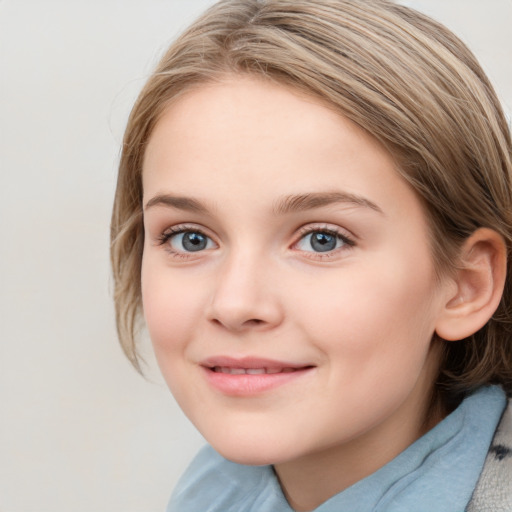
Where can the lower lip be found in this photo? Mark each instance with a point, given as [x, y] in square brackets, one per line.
[250, 385]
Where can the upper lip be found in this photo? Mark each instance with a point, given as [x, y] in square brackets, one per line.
[249, 362]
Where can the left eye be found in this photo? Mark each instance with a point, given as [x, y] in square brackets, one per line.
[321, 241]
[190, 241]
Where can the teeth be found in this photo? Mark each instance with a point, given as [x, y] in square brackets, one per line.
[233, 371]
[255, 371]
[251, 371]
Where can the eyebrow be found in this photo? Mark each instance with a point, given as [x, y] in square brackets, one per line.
[302, 202]
[288, 204]
[187, 204]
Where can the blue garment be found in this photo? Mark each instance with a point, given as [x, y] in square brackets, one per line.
[437, 473]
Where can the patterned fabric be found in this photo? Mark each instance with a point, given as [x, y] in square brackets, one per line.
[493, 491]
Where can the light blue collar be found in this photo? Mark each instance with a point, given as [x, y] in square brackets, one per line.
[437, 473]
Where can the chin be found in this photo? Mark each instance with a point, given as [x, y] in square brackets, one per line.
[251, 453]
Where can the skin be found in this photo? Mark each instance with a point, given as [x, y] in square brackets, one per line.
[361, 316]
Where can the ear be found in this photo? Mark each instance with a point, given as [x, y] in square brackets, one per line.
[479, 280]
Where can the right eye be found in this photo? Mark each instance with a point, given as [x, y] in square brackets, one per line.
[187, 240]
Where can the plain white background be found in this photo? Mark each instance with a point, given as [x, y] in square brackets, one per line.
[80, 431]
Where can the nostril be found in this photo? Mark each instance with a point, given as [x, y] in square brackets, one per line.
[253, 322]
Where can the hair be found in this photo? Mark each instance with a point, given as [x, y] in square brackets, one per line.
[402, 77]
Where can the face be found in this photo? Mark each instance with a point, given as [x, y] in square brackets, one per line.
[287, 280]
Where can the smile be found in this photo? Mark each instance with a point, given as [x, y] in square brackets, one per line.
[251, 371]
[249, 377]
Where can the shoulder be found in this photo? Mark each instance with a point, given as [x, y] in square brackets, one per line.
[214, 484]
[494, 488]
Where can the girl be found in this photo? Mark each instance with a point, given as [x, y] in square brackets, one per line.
[314, 215]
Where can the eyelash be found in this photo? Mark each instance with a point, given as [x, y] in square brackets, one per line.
[348, 242]
[166, 236]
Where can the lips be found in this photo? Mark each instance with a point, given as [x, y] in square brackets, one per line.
[251, 371]
[250, 376]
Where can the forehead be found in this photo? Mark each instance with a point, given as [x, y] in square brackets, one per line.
[252, 140]
[249, 114]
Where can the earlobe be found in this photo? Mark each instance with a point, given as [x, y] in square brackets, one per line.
[479, 281]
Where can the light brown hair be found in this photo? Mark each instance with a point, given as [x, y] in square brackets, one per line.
[405, 79]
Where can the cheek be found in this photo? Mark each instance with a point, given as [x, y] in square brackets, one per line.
[171, 309]
[375, 335]
[374, 314]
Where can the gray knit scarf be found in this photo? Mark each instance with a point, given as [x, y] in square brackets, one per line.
[493, 492]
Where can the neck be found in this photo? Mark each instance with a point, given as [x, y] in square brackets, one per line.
[312, 479]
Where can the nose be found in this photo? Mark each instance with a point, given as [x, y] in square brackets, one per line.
[245, 295]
